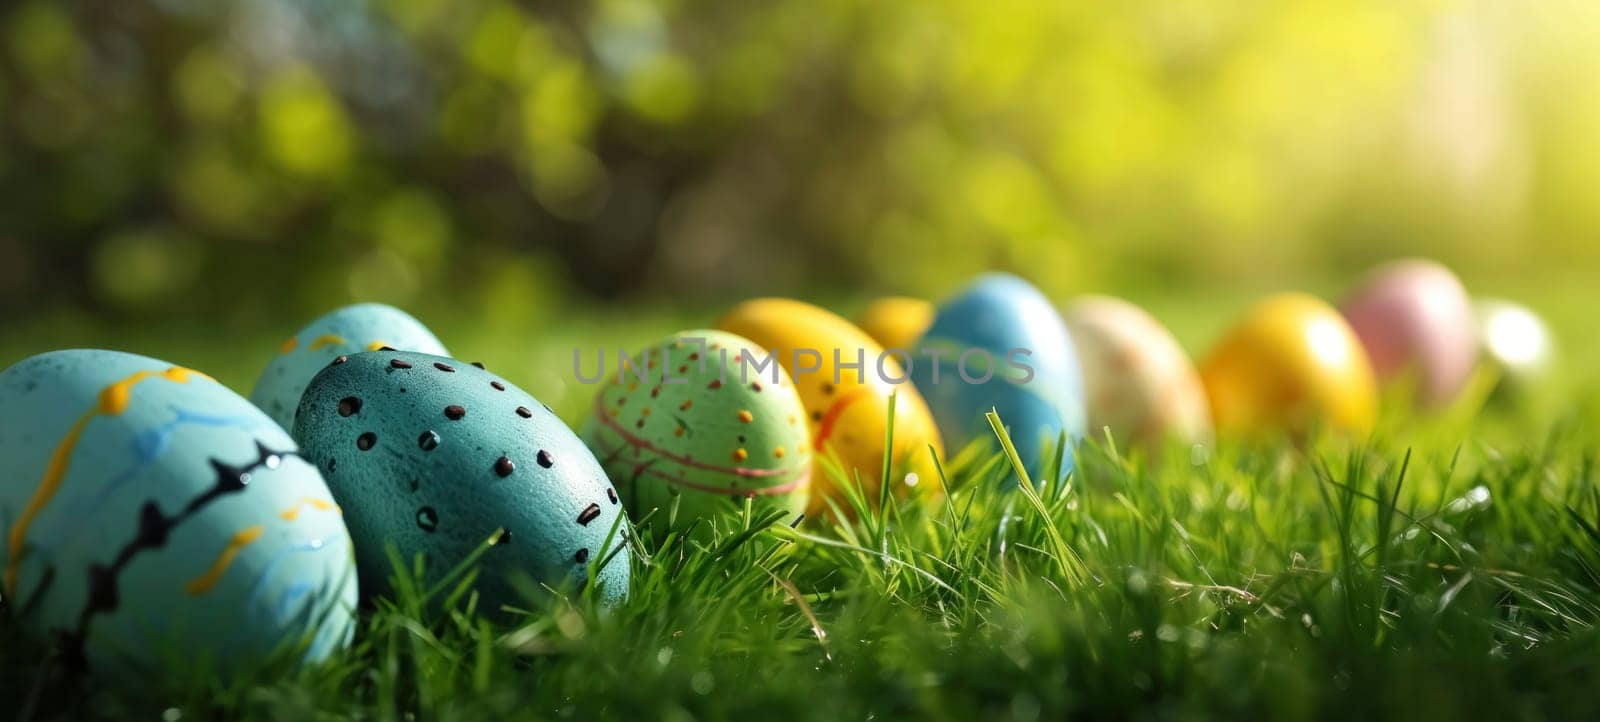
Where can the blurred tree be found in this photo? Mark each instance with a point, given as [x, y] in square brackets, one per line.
[179, 157]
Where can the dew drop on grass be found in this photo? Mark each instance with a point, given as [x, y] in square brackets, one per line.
[1137, 583]
[1476, 498]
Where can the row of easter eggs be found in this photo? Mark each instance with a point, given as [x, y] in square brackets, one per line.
[153, 520]
[1291, 364]
[150, 514]
[149, 508]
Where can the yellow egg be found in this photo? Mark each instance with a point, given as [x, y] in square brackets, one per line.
[896, 321]
[847, 408]
[1293, 364]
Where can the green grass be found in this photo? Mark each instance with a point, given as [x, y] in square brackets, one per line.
[1409, 584]
[1447, 568]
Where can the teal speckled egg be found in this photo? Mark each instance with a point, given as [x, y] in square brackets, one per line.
[432, 456]
[352, 329]
[159, 523]
[690, 423]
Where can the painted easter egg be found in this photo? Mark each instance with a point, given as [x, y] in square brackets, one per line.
[434, 456]
[157, 522]
[896, 321]
[1137, 379]
[1000, 344]
[352, 329]
[1516, 345]
[1292, 364]
[845, 380]
[687, 421]
[1416, 322]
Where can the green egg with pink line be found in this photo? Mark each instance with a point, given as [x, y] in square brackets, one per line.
[696, 426]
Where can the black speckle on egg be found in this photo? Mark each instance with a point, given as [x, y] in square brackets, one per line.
[479, 364]
[581, 557]
[447, 368]
[497, 386]
[524, 412]
[339, 360]
[332, 463]
[544, 459]
[349, 406]
[397, 363]
[589, 513]
[504, 466]
[429, 440]
[816, 416]
[454, 412]
[386, 348]
[366, 441]
[611, 494]
[504, 538]
[427, 519]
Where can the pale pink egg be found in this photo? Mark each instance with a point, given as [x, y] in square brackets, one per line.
[1416, 321]
[1137, 379]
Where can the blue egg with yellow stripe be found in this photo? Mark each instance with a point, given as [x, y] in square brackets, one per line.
[157, 523]
[1000, 344]
[348, 330]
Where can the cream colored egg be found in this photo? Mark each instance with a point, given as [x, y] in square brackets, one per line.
[1515, 345]
[1138, 381]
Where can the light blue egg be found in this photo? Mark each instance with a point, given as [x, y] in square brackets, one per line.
[433, 457]
[1001, 323]
[159, 523]
[352, 329]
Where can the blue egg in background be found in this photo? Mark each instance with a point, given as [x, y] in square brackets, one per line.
[1000, 323]
[348, 330]
[157, 523]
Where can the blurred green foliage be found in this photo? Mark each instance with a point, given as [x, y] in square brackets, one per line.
[186, 159]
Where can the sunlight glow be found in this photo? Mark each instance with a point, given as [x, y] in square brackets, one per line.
[1517, 336]
[1329, 343]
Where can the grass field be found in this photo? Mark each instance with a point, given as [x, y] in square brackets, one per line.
[1447, 568]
